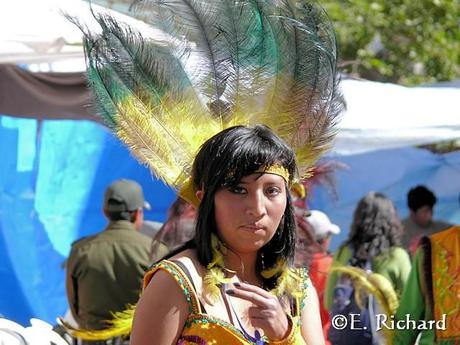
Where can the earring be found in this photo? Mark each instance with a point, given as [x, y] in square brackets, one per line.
[262, 261]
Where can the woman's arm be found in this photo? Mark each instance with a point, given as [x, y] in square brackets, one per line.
[160, 313]
[405, 268]
[312, 330]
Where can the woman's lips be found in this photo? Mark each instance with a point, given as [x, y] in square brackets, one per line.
[253, 228]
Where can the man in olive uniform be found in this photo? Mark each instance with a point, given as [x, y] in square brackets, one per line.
[105, 271]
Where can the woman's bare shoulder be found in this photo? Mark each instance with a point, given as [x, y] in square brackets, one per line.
[161, 311]
[189, 259]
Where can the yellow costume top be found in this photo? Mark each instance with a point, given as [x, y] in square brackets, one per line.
[203, 329]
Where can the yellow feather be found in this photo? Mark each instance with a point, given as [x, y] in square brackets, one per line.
[119, 326]
[215, 276]
[288, 281]
[387, 290]
[165, 98]
[377, 285]
[280, 266]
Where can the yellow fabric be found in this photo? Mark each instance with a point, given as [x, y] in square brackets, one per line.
[445, 256]
[299, 189]
[204, 329]
[275, 169]
[294, 337]
[188, 193]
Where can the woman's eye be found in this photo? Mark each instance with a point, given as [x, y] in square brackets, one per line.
[237, 190]
[272, 191]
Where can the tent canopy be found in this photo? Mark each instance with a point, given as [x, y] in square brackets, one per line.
[383, 116]
[29, 34]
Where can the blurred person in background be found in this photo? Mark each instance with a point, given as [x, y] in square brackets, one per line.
[372, 245]
[322, 175]
[322, 229]
[105, 271]
[178, 229]
[432, 293]
[420, 222]
[313, 235]
[150, 228]
[305, 245]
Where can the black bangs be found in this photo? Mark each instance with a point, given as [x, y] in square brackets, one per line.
[240, 151]
[250, 156]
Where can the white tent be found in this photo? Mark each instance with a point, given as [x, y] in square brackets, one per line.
[36, 32]
[383, 116]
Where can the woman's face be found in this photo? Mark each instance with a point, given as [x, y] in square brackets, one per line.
[248, 215]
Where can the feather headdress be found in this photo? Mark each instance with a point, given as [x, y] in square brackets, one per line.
[218, 64]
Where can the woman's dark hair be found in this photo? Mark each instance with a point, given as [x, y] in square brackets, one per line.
[174, 234]
[375, 228]
[223, 161]
[170, 233]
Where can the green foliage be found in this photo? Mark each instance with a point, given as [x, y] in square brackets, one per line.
[443, 146]
[419, 40]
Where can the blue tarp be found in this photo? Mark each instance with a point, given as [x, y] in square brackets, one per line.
[52, 178]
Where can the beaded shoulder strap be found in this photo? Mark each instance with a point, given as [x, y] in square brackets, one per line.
[299, 301]
[181, 279]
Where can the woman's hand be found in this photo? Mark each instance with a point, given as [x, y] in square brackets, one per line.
[267, 312]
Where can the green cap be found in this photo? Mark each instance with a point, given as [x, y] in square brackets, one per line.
[124, 195]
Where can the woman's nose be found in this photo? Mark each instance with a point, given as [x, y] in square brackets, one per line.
[256, 205]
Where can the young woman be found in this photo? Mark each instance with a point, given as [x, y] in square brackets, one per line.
[205, 67]
[374, 238]
[233, 283]
[373, 243]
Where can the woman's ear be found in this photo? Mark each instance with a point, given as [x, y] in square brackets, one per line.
[199, 194]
